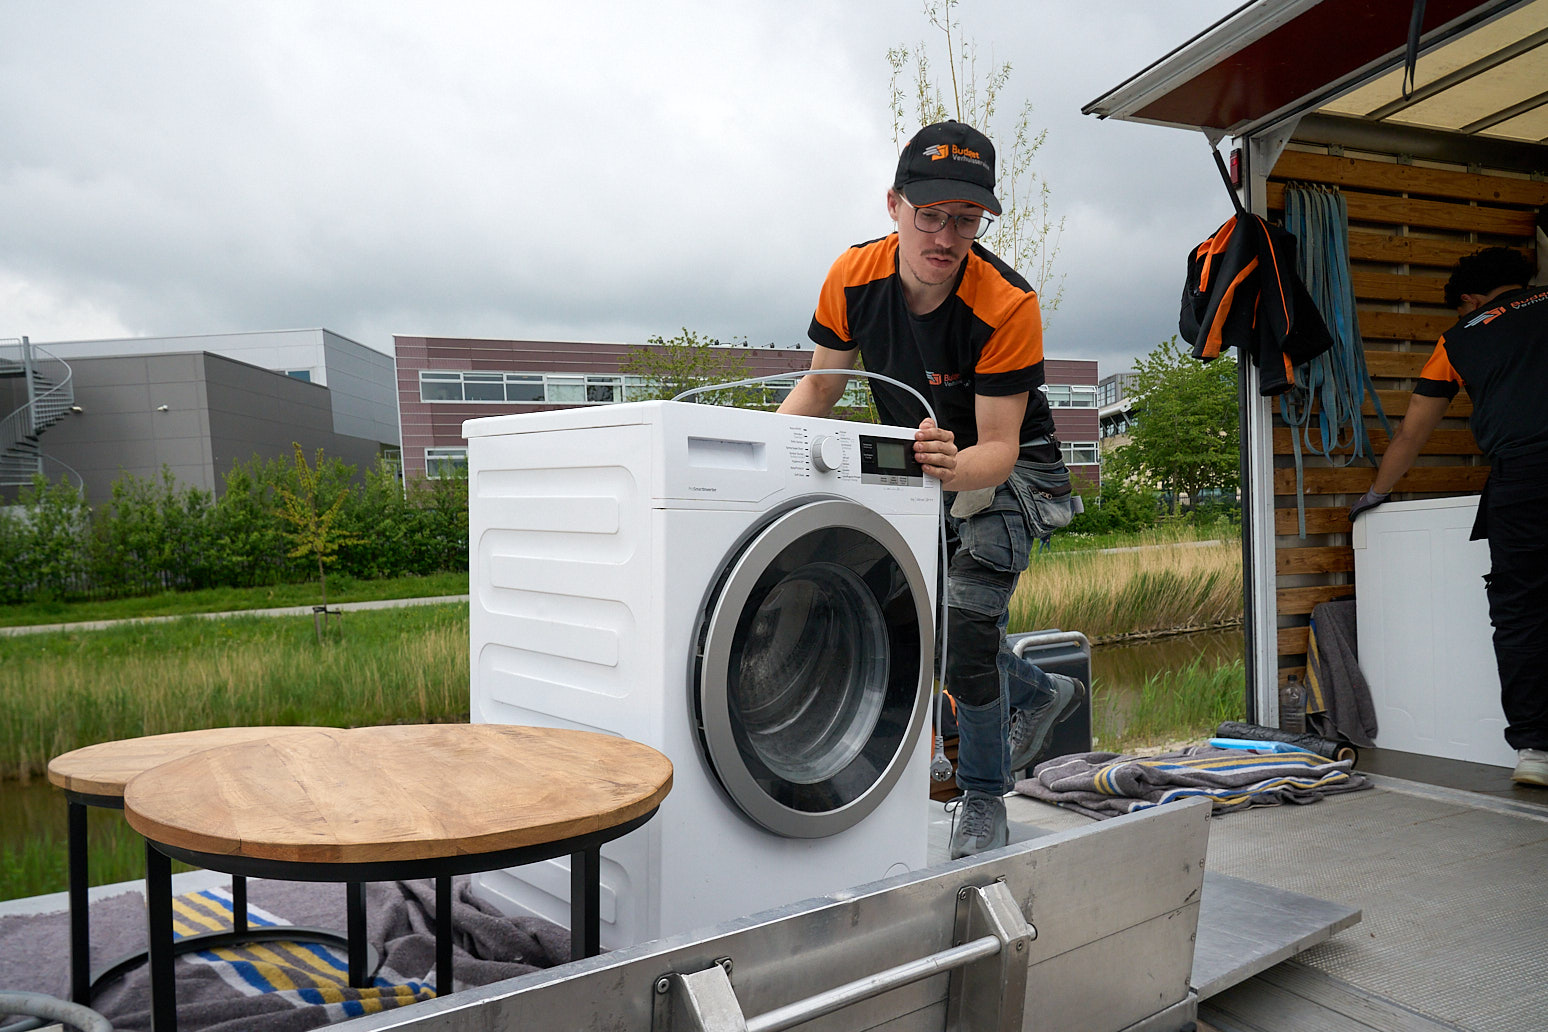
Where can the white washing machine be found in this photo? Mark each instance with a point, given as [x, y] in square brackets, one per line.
[750, 593]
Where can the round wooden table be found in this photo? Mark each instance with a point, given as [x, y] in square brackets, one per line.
[390, 803]
[95, 776]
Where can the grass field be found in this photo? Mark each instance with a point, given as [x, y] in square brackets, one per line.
[1113, 594]
[64, 690]
[226, 600]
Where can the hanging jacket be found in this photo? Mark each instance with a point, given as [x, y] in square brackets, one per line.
[1242, 291]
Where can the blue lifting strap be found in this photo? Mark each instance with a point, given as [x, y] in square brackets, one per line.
[1334, 385]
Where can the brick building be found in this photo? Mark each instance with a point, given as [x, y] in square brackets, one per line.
[445, 380]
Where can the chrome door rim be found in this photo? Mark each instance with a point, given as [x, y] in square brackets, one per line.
[711, 685]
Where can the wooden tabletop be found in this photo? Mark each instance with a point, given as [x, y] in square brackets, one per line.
[105, 768]
[396, 793]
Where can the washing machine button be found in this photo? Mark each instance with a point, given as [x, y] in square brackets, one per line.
[827, 454]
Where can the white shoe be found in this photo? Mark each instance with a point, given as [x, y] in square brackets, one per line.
[1531, 767]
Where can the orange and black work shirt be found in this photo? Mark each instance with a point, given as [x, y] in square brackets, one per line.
[986, 338]
[1500, 354]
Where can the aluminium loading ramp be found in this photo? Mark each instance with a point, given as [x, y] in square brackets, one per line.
[1091, 929]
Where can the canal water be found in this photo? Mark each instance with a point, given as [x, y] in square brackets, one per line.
[1120, 670]
[37, 810]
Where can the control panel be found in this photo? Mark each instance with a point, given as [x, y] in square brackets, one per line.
[890, 461]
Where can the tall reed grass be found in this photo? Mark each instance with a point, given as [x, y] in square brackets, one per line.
[1112, 594]
[64, 691]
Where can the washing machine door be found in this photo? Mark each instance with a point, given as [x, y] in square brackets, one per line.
[814, 668]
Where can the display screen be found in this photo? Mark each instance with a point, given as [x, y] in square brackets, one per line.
[891, 455]
[888, 458]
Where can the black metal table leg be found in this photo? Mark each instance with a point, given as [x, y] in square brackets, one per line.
[586, 902]
[238, 903]
[80, 921]
[158, 897]
[443, 935]
[355, 931]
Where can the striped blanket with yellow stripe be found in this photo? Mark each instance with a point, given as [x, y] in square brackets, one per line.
[304, 974]
[1104, 784]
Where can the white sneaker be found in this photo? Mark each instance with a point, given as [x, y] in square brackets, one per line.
[1531, 767]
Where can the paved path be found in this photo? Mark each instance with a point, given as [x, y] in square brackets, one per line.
[97, 625]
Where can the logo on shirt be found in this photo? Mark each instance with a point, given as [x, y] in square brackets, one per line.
[942, 379]
[1485, 318]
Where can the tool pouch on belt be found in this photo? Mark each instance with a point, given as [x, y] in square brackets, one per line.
[1043, 489]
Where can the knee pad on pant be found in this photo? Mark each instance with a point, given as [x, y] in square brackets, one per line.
[973, 643]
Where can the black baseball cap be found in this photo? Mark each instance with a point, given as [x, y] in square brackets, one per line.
[948, 162]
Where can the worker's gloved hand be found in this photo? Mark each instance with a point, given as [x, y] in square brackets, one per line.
[1369, 500]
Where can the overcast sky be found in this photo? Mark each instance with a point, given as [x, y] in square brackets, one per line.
[572, 171]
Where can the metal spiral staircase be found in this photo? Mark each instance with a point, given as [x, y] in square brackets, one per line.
[49, 396]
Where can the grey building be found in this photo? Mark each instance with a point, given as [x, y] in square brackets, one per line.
[199, 405]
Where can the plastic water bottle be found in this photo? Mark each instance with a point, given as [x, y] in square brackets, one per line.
[1292, 707]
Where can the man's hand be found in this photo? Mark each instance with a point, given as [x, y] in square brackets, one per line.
[936, 450]
[1369, 500]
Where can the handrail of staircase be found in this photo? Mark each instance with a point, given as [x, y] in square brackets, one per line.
[80, 482]
[44, 408]
[57, 399]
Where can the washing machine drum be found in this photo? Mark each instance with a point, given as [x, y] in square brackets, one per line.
[813, 670]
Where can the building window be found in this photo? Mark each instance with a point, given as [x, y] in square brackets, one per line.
[446, 462]
[602, 390]
[483, 386]
[529, 388]
[575, 388]
[1064, 396]
[440, 386]
[524, 387]
[299, 374]
[1080, 453]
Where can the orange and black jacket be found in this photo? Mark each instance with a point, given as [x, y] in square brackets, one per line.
[1500, 353]
[986, 338]
[1243, 292]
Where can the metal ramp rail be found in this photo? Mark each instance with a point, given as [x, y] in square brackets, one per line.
[1090, 929]
[49, 396]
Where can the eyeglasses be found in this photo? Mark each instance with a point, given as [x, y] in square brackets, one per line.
[968, 227]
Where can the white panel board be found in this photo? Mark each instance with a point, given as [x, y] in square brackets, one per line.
[1424, 636]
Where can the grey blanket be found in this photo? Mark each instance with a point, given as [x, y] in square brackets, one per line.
[1338, 701]
[1104, 784]
[277, 987]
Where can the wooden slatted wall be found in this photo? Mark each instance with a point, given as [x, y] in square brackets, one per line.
[1408, 224]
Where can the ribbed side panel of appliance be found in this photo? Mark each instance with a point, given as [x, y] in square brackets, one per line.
[562, 622]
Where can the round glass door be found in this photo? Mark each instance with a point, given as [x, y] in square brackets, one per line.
[813, 671]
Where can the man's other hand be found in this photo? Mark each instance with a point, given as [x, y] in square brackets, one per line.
[1369, 500]
[935, 449]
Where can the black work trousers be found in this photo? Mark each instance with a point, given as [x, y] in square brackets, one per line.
[1514, 515]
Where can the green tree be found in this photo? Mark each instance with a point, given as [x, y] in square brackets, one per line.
[1026, 234]
[248, 539]
[313, 509]
[48, 538]
[154, 536]
[669, 367]
[1185, 432]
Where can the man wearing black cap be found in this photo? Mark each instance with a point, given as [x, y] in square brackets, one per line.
[929, 307]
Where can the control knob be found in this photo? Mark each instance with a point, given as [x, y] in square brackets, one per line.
[827, 454]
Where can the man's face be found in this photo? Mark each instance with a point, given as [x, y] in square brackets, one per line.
[929, 259]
